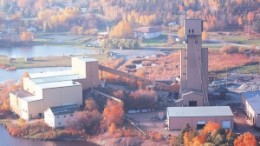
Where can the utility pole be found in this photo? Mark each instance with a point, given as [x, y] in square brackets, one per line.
[226, 77]
[258, 65]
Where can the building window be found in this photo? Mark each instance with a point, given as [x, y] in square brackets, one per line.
[71, 115]
[59, 123]
[64, 116]
[57, 117]
[200, 125]
[226, 124]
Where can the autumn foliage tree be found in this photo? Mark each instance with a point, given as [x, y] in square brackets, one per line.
[211, 134]
[141, 99]
[122, 30]
[26, 36]
[113, 113]
[87, 120]
[204, 35]
[246, 139]
[181, 32]
[250, 16]
[90, 105]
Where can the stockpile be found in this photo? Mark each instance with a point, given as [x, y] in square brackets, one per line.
[250, 86]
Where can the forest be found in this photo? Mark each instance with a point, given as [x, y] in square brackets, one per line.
[84, 15]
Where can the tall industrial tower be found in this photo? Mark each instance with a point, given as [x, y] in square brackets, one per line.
[194, 66]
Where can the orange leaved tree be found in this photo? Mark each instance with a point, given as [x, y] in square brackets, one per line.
[113, 113]
[245, 139]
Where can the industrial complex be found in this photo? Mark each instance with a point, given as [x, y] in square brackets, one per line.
[57, 95]
[44, 90]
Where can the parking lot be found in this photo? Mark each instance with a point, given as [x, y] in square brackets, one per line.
[150, 122]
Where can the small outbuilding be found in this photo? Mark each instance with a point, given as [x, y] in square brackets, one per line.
[198, 117]
[251, 104]
[58, 116]
[147, 32]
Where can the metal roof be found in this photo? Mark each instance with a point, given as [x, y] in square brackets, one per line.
[87, 59]
[58, 84]
[50, 74]
[253, 98]
[66, 109]
[31, 98]
[203, 111]
[148, 29]
[58, 78]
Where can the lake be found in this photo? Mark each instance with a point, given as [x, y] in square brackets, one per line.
[15, 75]
[7, 140]
[42, 51]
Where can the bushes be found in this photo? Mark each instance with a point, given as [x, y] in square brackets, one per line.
[113, 113]
[87, 120]
[229, 50]
[120, 43]
[24, 129]
[137, 100]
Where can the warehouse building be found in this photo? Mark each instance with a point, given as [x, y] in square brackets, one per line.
[197, 117]
[251, 104]
[60, 116]
[49, 89]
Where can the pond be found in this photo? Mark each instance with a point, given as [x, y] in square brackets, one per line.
[42, 51]
[7, 140]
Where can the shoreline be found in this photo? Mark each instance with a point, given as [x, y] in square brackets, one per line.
[64, 138]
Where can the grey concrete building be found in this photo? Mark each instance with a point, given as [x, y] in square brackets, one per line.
[194, 67]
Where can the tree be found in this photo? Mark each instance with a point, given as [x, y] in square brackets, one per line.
[4, 106]
[112, 128]
[204, 35]
[113, 113]
[240, 21]
[122, 30]
[141, 99]
[250, 16]
[256, 25]
[211, 127]
[26, 36]
[87, 120]
[90, 105]
[21, 122]
[245, 139]
[181, 32]
[40, 4]
[23, 3]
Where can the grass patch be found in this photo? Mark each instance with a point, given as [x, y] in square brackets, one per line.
[161, 40]
[5, 122]
[249, 69]
[51, 61]
[20, 63]
[240, 38]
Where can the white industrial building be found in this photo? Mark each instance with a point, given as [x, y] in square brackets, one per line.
[49, 89]
[198, 117]
[251, 103]
[59, 116]
[147, 32]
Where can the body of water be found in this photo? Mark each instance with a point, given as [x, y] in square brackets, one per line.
[42, 51]
[16, 75]
[7, 140]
